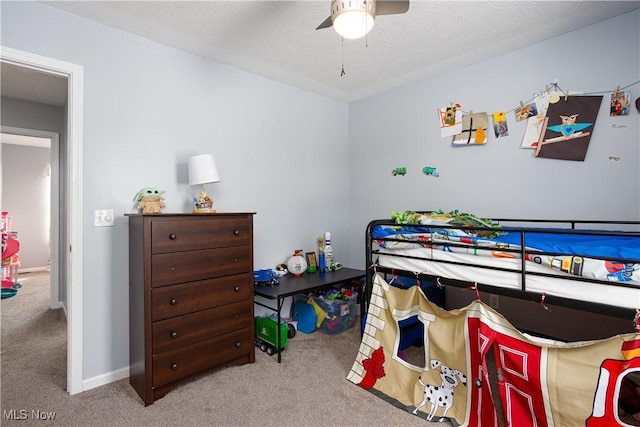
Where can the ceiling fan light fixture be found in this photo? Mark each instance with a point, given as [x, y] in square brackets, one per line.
[353, 19]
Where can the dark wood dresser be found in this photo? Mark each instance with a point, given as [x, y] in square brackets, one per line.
[190, 297]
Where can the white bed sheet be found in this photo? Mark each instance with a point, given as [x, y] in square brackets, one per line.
[619, 296]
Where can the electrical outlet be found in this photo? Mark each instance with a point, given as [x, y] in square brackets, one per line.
[494, 301]
[103, 218]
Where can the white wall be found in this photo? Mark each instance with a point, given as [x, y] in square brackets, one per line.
[26, 196]
[147, 108]
[499, 179]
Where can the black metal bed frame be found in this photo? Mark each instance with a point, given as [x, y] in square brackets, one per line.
[522, 293]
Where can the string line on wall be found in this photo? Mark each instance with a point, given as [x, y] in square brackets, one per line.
[555, 87]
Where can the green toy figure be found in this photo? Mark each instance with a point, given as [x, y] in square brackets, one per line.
[150, 200]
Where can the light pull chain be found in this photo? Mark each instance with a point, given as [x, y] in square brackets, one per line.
[342, 73]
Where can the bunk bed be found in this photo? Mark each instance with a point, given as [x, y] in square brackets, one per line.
[586, 265]
[475, 366]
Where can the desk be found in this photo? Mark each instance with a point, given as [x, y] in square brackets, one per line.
[291, 285]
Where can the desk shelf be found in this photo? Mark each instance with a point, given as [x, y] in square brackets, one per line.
[291, 285]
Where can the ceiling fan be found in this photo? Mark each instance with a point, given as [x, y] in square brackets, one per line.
[353, 19]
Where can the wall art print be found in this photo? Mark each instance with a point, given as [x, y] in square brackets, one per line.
[620, 102]
[534, 124]
[568, 127]
[474, 129]
[450, 120]
[500, 127]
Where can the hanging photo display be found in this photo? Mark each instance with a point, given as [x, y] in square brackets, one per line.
[450, 120]
[500, 124]
[567, 129]
[474, 129]
[620, 102]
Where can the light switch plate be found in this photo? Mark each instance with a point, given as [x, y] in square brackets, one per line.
[103, 218]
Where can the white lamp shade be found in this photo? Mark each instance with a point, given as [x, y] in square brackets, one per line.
[203, 169]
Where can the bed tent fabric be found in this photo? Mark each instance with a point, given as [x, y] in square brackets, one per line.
[538, 382]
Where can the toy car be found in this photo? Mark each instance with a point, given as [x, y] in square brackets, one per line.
[265, 277]
[267, 334]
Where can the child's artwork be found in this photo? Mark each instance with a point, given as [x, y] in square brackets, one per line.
[474, 129]
[534, 124]
[523, 112]
[450, 120]
[567, 128]
[500, 124]
[620, 102]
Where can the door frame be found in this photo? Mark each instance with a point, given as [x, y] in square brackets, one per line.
[73, 201]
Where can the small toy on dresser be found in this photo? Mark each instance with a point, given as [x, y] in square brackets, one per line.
[150, 200]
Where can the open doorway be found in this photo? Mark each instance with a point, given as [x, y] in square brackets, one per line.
[30, 198]
[69, 213]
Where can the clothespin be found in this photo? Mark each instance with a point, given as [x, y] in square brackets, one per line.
[418, 281]
[475, 288]
[521, 104]
[544, 295]
[615, 93]
[547, 86]
[393, 273]
[374, 266]
[439, 283]
[636, 321]
[566, 95]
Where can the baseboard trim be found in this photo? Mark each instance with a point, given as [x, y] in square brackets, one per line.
[32, 269]
[105, 379]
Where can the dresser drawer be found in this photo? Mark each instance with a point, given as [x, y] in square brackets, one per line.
[178, 364]
[172, 333]
[176, 300]
[180, 267]
[175, 236]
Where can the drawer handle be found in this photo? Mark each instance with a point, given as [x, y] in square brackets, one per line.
[236, 232]
[174, 334]
[173, 301]
[174, 366]
[237, 289]
[238, 344]
[172, 237]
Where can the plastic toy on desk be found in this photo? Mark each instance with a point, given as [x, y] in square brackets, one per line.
[335, 266]
[265, 277]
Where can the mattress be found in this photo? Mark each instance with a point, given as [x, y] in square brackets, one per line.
[505, 273]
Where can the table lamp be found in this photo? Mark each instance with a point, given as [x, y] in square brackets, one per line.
[203, 171]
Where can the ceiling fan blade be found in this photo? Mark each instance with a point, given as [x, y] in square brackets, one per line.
[326, 24]
[391, 7]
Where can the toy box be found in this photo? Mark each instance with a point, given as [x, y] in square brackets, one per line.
[339, 314]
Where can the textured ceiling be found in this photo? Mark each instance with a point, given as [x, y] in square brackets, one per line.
[278, 39]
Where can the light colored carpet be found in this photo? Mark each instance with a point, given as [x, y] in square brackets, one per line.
[309, 387]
